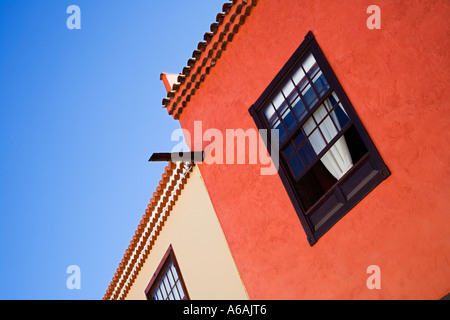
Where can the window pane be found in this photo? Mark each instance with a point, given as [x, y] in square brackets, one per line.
[299, 138]
[292, 97]
[309, 62]
[298, 76]
[289, 120]
[317, 141]
[180, 290]
[282, 132]
[320, 113]
[320, 84]
[289, 150]
[166, 283]
[296, 164]
[313, 71]
[288, 88]
[331, 101]
[328, 129]
[269, 113]
[309, 96]
[327, 126]
[299, 109]
[170, 276]
[158, 293]
[278, 100]
[174, 272]
[307, 153]
[163, 291]
[175, 293]
[340, 117]
[309, 126]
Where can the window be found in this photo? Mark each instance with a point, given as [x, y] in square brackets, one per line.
[328, 162]
[167, 282]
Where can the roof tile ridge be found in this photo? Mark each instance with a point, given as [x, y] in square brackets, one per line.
[193, 80]
[128, 252]
[123, 279]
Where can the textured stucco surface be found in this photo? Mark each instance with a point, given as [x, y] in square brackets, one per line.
[396, 79]
[200, 248]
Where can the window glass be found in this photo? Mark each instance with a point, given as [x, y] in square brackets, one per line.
[300, 138]
[296, 164]
[297, 77]
[320, 83]
[307, 153]
[269, 112]
[158, 293]
[340, 117]
[289, 150]
[170, 276]
[309, 62]
[180, 290]
[278, 101]
[282, 132]
[176, 295]
[289, 120]
[288, 88]
[309, 96]
[169, 286]
[299, 108]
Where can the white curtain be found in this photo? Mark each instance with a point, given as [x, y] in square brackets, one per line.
[337, 160]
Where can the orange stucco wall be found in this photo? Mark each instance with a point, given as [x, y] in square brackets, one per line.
[396, 79]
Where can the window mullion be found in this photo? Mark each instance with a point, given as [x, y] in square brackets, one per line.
[300, 123]
[310, 78]
[316, 106]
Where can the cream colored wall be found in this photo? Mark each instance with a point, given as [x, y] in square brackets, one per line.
[200, 247]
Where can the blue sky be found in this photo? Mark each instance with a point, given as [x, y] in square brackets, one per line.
[80, 114]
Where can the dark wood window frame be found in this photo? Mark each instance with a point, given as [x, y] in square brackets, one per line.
[168, 259]
[365, 175]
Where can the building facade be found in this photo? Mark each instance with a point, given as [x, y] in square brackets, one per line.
[356, 94]
[179, 250]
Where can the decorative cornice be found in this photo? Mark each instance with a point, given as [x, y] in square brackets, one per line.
[207, 54]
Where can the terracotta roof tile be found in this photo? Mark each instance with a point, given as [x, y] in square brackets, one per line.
[165, 196]
[223, 31]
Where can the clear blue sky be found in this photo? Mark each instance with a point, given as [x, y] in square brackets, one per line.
[80, 114]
